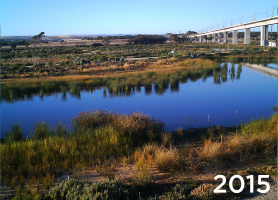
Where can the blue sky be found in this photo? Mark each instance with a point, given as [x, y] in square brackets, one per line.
[66, 17]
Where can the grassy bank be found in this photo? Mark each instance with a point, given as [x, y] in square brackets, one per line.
[98, 137]
[101, 139]
[162, 73]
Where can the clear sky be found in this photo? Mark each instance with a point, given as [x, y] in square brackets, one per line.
[66, 17]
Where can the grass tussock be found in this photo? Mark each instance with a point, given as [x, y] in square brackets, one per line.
[138, 127]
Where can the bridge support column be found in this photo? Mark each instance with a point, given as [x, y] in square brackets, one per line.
[264, 35]
[247, 36]
[213, 37]
[225, 35]
[234, 37]
[200, 39]
[219, 37]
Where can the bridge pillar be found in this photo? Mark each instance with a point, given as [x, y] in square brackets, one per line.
[204, 39]
[234, 37]
[264, 35]
[247, 36]
[219, 37]
[200, 39]
[225, 37]
[213, 37]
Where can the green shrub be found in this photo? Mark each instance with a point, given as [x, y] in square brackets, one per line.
[135, 126]
[178, 192]
[41, 130]
[74, 189]
[15, 135]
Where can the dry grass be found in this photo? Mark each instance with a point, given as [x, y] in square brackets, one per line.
[203, 190]
[167, 160]
[257, 137]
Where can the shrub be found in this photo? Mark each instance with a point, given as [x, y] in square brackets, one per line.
[15, 135]
[168, 160]
[135, 126]
[178, 192]
[41, 130]
[96, 44]
[49, 64]
[106, 189]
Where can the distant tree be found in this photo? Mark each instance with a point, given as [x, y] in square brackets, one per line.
[99, 38]
[37, 39]
[47, 43]
[147, 39]
[62, 42]
[13, 46]
[26, 44]
[175, 38]
[96, 44]
[106, 40]
[191, 32]
[209, 37]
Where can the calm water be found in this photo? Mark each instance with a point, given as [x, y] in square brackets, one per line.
[272, 65]
[228, 103]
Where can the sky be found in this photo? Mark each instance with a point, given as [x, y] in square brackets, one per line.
[86, 17]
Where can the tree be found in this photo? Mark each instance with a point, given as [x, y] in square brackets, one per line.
[106, 40]
[26, 44]
[62, 42]
[13, 46]
[37, 39]
[47, 43]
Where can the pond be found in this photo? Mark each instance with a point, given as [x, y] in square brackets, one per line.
[239, 96]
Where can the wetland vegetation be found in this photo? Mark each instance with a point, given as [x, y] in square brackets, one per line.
[104, 141]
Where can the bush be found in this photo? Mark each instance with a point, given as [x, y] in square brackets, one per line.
[41, 130]
[178, 192]
[135, 126]
[168, 160]
[15, 135]
[96, 44]
[106, 189]
[100, 58]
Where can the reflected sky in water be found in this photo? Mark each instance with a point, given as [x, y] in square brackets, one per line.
[272, 65]
[230, 103]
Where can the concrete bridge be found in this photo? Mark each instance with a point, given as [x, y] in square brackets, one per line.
[223, 32]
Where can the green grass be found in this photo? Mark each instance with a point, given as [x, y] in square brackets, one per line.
[98, 137]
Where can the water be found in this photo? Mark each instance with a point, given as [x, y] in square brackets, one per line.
[272, 65]
[228, 103]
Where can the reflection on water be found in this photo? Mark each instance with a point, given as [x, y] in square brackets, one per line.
[230, 94]
[159, 87]
[272, 65]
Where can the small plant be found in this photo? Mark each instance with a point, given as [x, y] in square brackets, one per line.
[168, 160]
[203, 190]
[48, 181]
[41, 130]
[15, 135]
[179, 132]
[166, 139]
[179, 191]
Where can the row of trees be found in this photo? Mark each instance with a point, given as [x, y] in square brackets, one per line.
[110, 37]
[147, 39]
[179, 38]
